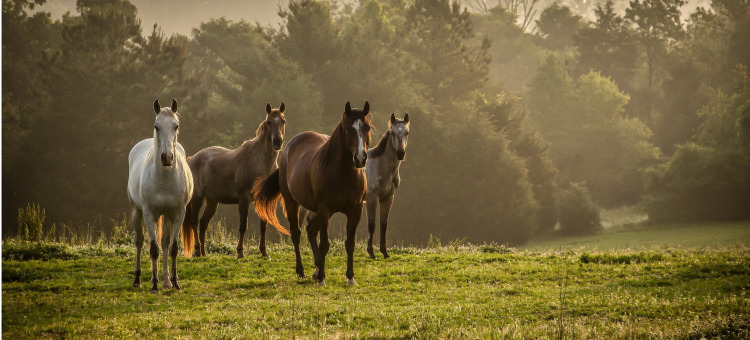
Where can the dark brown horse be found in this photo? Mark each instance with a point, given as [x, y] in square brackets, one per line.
[227, 177]
[324, 175]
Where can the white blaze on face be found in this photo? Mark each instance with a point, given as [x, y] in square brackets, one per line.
[361, 143]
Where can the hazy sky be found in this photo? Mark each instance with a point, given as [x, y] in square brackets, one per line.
[181, 16]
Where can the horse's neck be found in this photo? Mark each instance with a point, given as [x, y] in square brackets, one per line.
[259, 150]
[334, 154]
[388, 160]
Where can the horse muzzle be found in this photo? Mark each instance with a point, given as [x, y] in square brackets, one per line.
[167, 159]
[277, 143]
[360, 160]
[400, 154]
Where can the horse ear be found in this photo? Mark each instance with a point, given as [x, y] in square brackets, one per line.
[366, 109]
[282, 108]
[406, 118]
[348, 109]
[157, 107]
[268, 107]
[393, 118]
[174, 105]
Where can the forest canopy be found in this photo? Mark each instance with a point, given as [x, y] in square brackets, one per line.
[517, 122]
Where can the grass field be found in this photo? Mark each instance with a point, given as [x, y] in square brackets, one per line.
[662, 290]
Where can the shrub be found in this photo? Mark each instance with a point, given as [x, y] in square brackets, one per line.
[699, 184]
[576, 211]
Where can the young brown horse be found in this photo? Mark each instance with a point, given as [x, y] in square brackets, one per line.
[227, 177]
[324, 175]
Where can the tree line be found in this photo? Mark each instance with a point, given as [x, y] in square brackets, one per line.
[512, 132]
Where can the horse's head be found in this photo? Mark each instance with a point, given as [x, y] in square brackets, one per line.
[357, 130]
[399, 134]
[166, 131]
[275, 125]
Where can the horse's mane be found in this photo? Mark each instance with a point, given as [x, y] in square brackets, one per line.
[379, 149]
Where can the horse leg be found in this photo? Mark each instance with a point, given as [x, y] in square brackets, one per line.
[191, 218]
[262, 242]
[208, 213]
[150, 221]
[244, 205]
[292, 213]
[137, 219]
[385, 209]
[352, 220]
[313, 228]
[320, 225]
[173, 248]
[166, 237]
[372, 207]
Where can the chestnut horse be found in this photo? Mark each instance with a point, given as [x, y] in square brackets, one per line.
[227, 176]
[324, 175]
[382, 179]
[159, 186]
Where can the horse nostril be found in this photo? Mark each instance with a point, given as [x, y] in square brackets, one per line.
[166, 159]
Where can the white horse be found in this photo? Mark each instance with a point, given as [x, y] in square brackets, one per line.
[160, 184]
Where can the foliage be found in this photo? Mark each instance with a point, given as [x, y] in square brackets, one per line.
[416, 294]
[515, 56]
[607, 45]
[526, 143]
[576, 212]
[708, 179]
[590, 137]
[449, 62]
[699, 184]
[557, 24]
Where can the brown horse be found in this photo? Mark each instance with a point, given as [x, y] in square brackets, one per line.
[227, 177]
[324, 175]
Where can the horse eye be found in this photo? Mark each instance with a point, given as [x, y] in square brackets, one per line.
[268, 122]
[156, 127]
[283, 121]
[176, 127]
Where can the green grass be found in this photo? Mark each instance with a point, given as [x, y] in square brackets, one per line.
[644, 237]
[455, 291]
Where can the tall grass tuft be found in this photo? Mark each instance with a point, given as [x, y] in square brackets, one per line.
[31, 222]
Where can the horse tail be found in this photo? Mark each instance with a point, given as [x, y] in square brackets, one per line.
[188, 236]
[266, 194]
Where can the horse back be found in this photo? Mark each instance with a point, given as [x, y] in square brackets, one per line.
[300, 155]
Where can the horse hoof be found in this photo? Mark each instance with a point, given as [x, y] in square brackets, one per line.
[315, 274]
[386, 256]
[372, 256]
[167, 285]
[351, 282]
[176, 286]
[302, 277]
[266, 257]
[154, 290]
[322, 283]
[136, 285]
